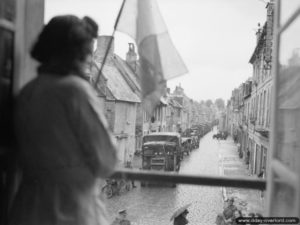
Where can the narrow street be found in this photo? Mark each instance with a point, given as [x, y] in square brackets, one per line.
[155, 205]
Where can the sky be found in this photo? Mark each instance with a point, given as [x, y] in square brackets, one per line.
[215, 38]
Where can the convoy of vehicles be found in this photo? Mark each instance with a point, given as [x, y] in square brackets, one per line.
[163, 151]
[198, 130]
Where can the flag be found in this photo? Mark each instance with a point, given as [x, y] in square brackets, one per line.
[159, 60]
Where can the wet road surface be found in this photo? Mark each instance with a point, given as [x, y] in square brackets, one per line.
[155, 205]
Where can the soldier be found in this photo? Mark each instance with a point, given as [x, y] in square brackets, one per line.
[228, 212]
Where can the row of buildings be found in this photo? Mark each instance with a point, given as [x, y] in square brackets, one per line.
[119, 90]
[249, 108]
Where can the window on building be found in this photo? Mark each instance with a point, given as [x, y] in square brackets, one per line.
[283, 154]
[268, 109]
[263, 110]
[285, 143]
[257, 109]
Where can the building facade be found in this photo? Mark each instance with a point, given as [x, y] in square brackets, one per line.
[250, 103]
[261, 94]
[119, 99]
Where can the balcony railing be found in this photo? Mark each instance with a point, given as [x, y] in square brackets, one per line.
[169, 177]
[263, 131]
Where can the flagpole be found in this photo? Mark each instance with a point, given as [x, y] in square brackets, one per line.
[109, 44]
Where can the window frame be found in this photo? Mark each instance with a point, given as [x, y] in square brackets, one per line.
[276, 167]
[279, 172]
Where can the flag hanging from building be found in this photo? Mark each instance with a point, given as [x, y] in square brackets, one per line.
[159, 60]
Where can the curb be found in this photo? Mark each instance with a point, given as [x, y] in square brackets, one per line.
[224, 194]
[221, 171]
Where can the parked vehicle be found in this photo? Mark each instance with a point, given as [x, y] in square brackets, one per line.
[221, 135]
[195, 142]
[161, 151]
[186, 143]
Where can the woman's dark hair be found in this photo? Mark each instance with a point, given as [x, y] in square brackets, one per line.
[65, 41]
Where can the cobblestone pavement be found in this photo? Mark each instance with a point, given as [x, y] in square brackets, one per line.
[247, 200]
[155, 205]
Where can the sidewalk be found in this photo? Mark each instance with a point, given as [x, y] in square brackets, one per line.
[248, 200]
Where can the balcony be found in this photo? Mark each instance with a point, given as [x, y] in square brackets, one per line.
[262, 131]
[247, 95]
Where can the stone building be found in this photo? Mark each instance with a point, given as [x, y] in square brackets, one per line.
[250, 104]
[157, 122]
[118, 97]
[261, 94]
[174, 115]
[184, 101]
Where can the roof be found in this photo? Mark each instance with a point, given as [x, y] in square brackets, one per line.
[174, 103]
[184, 139]
[163, 101]
[117, 84]
[159, 143]
[163, 134]
[259, 45]
[130, 76]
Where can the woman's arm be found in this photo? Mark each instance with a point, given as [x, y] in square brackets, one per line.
[91, 128]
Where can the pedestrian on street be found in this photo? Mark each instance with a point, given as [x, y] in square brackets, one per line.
[64, 146]
[227, 216]
[121, 218]
[237, 214]
[220, 219]
[129, 165]
[179, 216]
[261, 173]
[181, 219]
[248, 158]
[229, 210]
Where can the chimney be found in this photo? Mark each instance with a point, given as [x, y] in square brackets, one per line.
[131, 56]
[258, 33]
[102, 45]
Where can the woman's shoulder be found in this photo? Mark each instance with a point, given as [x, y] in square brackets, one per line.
[56, 82]
[75, 86]
[69, 88]
[75, 82]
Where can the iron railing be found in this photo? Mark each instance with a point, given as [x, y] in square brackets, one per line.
[171, 177]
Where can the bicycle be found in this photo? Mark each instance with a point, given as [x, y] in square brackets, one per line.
[115, 187]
